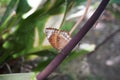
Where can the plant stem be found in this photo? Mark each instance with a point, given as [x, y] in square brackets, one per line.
[103, 42]
[73, 42]
[81, 18]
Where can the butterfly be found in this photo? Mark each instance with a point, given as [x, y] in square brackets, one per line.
[57, 38]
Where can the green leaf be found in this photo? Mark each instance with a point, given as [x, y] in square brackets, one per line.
[78, 2]
[74, 55]
[29, 36]
[22, 7]
[7, 15]
[25, 35]
[43, 64]
[4, 2]
[18, 76]
[115, 1]
[45, 53]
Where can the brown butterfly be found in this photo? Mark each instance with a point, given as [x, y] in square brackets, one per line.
[57, 38]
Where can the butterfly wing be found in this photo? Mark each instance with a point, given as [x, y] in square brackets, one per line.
[49, 32]
[54, 40]
[64, 38]
[58, 39]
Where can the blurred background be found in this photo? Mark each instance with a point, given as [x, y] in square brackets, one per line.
[24, 47]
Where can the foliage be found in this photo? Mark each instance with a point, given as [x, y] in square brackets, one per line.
[21, 76]
[4, 2]
[115, 1]
[24, 36]
[78, 2]
[19, 35]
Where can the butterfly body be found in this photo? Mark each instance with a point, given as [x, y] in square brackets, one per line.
[57, 38]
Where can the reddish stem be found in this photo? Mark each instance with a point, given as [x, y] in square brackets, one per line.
[73, 42]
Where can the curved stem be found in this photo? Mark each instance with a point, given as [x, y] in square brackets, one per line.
[81, 18]
[103, 42]
[66, 9]
[73, 42]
